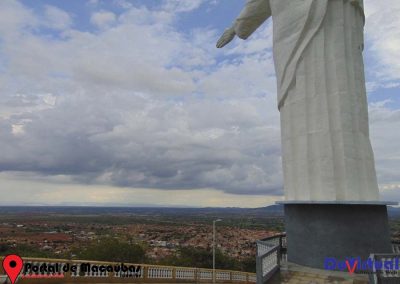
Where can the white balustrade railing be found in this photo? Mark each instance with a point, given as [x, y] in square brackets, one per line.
[252, 278]
[90, 272]
[205, 274]
[76, 272]
[140, 273]
[269, 262]
[222, 275]
[263, 247]
[185, 273]
[238, 276]
[283, 241]
[270, 252]
[396, 247]
[159, 272]
[384, 273]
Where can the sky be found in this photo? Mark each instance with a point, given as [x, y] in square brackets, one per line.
[129, 103]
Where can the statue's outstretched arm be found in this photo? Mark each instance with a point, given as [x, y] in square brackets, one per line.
[250, 18]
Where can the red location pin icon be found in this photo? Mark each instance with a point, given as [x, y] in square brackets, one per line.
[12, 265]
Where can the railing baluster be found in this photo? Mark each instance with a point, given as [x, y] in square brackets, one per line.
[146, 273]
[269, 255]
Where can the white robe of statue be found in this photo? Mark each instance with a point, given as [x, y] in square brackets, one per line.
[318, 44]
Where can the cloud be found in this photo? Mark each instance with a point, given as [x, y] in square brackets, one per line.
[57, 18]
[13, 17]
[383, 39]
[385, 141]
[178, 6]
[103, 19]
[123, 4]
[34, 191]
[138, 142]
[93, 2]
[138, 105]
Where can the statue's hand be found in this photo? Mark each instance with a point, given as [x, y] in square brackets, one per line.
[226, 37]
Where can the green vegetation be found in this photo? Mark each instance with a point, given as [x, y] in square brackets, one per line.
[199, 257]
[113, 250]
[25, 250]
[395, 228]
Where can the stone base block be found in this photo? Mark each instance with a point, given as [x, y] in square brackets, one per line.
[317, 231]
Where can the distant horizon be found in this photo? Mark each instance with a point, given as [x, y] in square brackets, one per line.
[133, 206]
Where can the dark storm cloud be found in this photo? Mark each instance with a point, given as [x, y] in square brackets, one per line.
[155, 144]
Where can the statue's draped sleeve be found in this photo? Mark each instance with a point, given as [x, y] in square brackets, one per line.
[295, 24]
[252, 16]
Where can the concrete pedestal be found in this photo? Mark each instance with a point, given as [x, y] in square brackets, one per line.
[316, 231]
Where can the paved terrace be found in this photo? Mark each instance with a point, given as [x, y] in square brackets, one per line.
[296, 274]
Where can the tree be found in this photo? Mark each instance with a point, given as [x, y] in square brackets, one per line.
[202, 258]
[113, 250]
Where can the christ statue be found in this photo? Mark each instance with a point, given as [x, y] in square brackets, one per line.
[318, 45]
